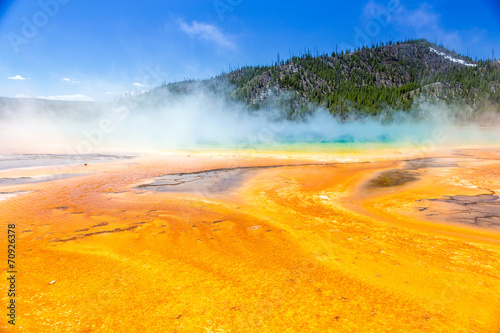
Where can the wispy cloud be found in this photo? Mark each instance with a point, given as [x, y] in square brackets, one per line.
[125, 93]
[22, 96]
[425, 22]
[65, 79]
[421, 22]
[420, 18]
[77, 97]
[17, 77]
[137, 84]
[208, 32]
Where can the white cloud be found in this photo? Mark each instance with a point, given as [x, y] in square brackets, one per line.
[77, 97]
[420, 22]
[425, 22]
[207, 32]
[125, 93]
[17, 77]
[22, 96]
[137, 84]
[422, 17]
[65, 79]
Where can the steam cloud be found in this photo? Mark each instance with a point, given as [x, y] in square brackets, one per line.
[200, 119]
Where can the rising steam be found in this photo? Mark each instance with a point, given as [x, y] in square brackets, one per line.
[201, 119]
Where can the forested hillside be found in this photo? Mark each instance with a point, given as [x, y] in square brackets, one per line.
[364, 81]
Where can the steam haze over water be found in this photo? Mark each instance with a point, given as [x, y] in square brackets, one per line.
[203, 121]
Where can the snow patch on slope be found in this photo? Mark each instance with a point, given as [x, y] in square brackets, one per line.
[460, 61]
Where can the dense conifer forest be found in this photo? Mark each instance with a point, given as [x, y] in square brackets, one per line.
[366, 81]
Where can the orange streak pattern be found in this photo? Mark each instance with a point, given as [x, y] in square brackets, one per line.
[290, 249]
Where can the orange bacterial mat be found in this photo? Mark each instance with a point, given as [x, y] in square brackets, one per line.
[240, 243]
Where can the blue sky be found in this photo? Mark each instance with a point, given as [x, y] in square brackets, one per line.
[96, 50]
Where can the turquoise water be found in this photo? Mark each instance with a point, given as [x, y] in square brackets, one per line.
[295, 146]
[416, 136]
